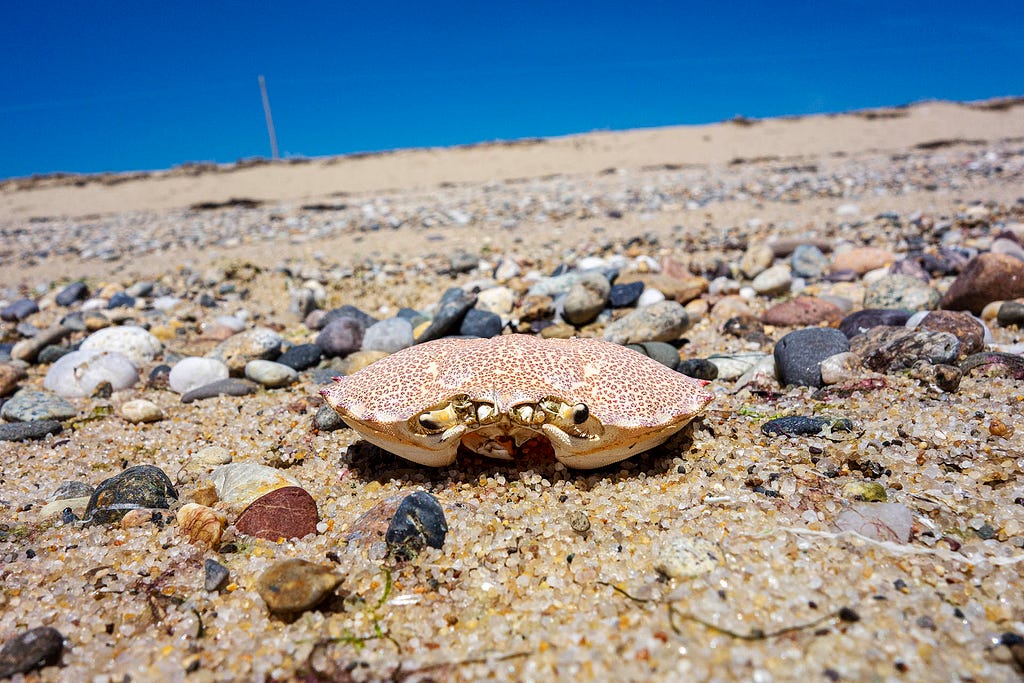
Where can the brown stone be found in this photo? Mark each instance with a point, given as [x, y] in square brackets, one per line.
[682, 290]
[963, 326]
[802, 311]
[535, 307]
[288, 512]
[10, 375]
[987, 277]
[293, 586]
[862, 259]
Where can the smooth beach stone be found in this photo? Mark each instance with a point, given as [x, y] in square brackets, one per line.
[887, 349]
[340, 337]
[195, 371]
[327, 420]
[802, 311]
[808, 261]
[141, 410]
[799, 354]
[301, 301]
[756, 259]
[28, 349]
[30, 405]
[586, 299]
[142, 486]
[76, 291]
[215, 575]
[910, 268]
[259, 343]
[52, 353]
[479, 323]
[900, 291]
[201, 525]
[27, 431]
[159, 377]
[862, 259]
[80, 373]
[877, 521]
[773, 281]
[389, 335]
[270, 374]
[994, 364]
[418, 522]
[685, 557]
[10, 376]
[1011, 313]
[31, 649]
[121, 299]
[455, 303]
[347, 311]
[866, 491]
[462, 262]
[800, 425]
[137, 344]
[698, 368]
[683, 289]
[963, 326]
[287, 512]
[734, 366]
[202, 462]
[988, 277]
[666, 354]
[554, 285]
[649, 296]
[498, 300]
[663, 321]
[18, 310]
[240, 483]
[223, 387]
[861, 321]
[625, 295]
[292, 586]
[840, 367]
[301, 356]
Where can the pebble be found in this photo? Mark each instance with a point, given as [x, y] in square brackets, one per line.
[756, 259]
[910, 268]
[201, 525]
[80, 373]
[681, 289]
[142, 486]
[734, 366]
[499, 300]
[215, 575]
[808, 261]
[868, 318]
[194, 372]
[1011, 313]
[270, 374]
[994, 364]
[586, 299]
[943, 377]
[301, 356]
[10, 376]
[327, 420]
[462, 262]
[987, 277]
[137, 344]
[31, 649]
[685, 557]
[839, 367]
[535, 307]
[649, 296]
[259, 343]
[30, 405]
[506, 269]
[202, 462]
[773, 281]
[802, 311]
[286, 512]
[18, 310]
[666, 354]
[963, 326]
[347, 311]
[455, 303]
[860, 260]
[699, 368]
[418, 522]
[340, 337]
[663, 321]
[886, 349]
[479, 323]
[624, 295]
[141, 410]
[26, 431]
[289, 587]
[798, 355]
[389, 335]
[801, 425]
[301, 301]
[28, 349]
[121, 299]
[900, 292]
[866, 491]
[76, 291]
[240, 483]
[878, 521]
[224, 387]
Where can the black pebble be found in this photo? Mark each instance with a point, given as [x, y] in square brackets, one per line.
[18, 310]
[625, 295]
[479, 323]
[72, 293]
[1011, 314]
[33, 429]
[419, 521]
[341, 336]
[454, 305]
[699, 368]
[121, 299]
[216, 575]
[34, 648]
[300, 357]
[799, 425]
[222, 387]
[142, 486]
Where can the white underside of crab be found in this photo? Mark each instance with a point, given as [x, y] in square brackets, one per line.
[595, 402]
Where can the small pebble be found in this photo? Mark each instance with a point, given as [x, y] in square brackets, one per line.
[799, 425]
[586, 299]
[579, 522]
[798, 355]
[76, 291]
[684, 557]
[260, 343]
[347, 311]
[30, 405]
[225, 387]
[1010, 314]
[215, 575]
[987, 277]
[18, 310]
[860, 260]
[389, 335]
[300, 357]
[26, 431]
[802, 311]
[808, 261]
[290, 587]
[418, 522]
[121, 299]
[888, 349]
[31, 649]
[270, 374]
[699, 368]
[863, 320]
[10, 376]
[499, 300]
[193, 372]
[901, 292]
[340, 337]
[839, 367]
[137, 344]
[328, 420]
[662, 321]
[774, 281]
[664, 353]
[625, 295]
[455, 304]
[201, 525]
[80, 373]
[867, 491]
[756, 259]
[141, 410]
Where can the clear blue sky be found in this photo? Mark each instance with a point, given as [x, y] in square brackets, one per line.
[97, 86]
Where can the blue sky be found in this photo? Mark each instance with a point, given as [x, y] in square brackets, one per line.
[98, 86]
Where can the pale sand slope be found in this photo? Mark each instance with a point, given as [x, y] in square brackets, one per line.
[716, 144]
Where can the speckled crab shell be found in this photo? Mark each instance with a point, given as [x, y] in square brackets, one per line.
[630, 403]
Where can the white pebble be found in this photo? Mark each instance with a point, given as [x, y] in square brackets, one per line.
[134, 342]
[141, 410]
[78, 373]
[270, 374]
[649, 296]
[193, 372]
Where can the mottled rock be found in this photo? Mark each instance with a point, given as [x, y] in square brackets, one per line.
[963, 326]
[798, 355]
[776, 280]
[801, 425]
[535, 307]
[290, 587]
[942, 377]
[994, 364]
[31, 649]
[142, 486]
[418, 522]
[26, 431]
[733, 366]
[201, 525]
[685, 557]
[862, 321]
[28, 349]
[347, 311]
[900, 291]
[808, 261]
[840, 367]
[1011, 313]
[286, 512]
[499, 300]
[586, 299]
[681, 289]
[270, 374]
[663, 321]
[80, 373]
[141, 410]
[259, 343]
[137, 344]
[802, 311]
[30, 405]
[887, 349]
[389, 335]
[18, 310]
[327, 419]
[987, 277]
[194, 372]
[756, 259]
[666, 354]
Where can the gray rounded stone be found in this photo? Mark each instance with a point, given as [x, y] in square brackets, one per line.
[586, 298]
[798, 355]
[31, 404]
[662, 321]
[270, 374]
[390, 336]
[137, 344]
[901, 291]
[79, 373]
[194, 371]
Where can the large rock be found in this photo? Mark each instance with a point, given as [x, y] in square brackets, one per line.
[986, 278]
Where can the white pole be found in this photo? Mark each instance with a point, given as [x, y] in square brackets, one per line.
[270, 119]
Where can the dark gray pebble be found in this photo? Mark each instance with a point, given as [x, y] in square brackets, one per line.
[418, 522]
[142, 486]
[52, 353]
[622, 296]
[5, 350]
[699, 368]
[1010, 313]
[121, 299]
[341, 336]
[799, 425]
[74, 321]
[994, 364]
[300, 356]
[207, 301]
[159, 377]
[347, 311]
[72, 293]
[410, 314]
[224, 387]
[664, 353]
[911, 268]
[862, 321]
[798, 355]
[72, 489]
[454, 305]
[462, 262]
[327, 420]
[216, 575]
[479, 323]
[34, 648]
[18, 310]
[23, 431]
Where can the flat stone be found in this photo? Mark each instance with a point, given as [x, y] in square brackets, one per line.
[987, 277]
[340, 337]
[301, 356]
[861, 321]
[260, 343]
[293, 586]
[802, 311]
[389, 335]
[270, 374]
[623, 295]
[798, 355]
[26, 431]
[682, 290]
[586, 298]
[31, 649]
[800, 425]
[28, 349]
[194, 372]
[287, 512]
[141, 410]
[773, 281]
[215, 575]
[666, 354]
[901, 291]
[994, 364]
[30, 405]
[886, 349]
[76, 291]
[499, 300]
[663, 321]
[18, 310]
[418, 522]
[756, 259]
[862, 259]
[225, 387]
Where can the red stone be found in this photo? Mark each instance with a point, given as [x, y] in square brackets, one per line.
[288, 512]
[986, 278]
[802, 311]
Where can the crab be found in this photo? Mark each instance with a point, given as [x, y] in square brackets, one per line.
[595, 402]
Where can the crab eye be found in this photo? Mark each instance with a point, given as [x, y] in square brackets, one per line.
[580, 413]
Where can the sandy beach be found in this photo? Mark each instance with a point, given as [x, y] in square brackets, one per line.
[849, 507]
